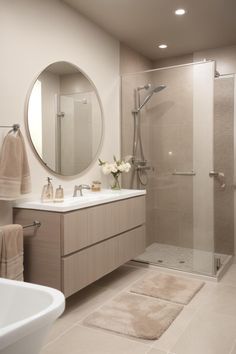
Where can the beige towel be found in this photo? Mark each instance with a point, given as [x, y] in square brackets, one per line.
[14, 167]
[11, 252]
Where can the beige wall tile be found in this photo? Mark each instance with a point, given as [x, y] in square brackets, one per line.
[233, 350]
[224, 162]
[167, 226]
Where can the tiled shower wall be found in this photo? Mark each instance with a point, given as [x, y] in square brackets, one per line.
[166, 126]
[132, 62]
[171, 140]
[224, 162]
[130, 180]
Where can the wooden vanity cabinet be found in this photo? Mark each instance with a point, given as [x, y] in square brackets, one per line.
[73, 249]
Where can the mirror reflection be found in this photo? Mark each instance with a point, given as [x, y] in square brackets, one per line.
[64, 119]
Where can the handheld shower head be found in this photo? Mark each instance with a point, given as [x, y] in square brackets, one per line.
[154, 90]
[159, 88]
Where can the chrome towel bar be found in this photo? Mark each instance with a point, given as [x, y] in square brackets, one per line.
[184, 173]
[35, 223]
[140, 167]
[15, 127]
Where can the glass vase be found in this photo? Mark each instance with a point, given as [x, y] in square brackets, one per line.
[115, 185]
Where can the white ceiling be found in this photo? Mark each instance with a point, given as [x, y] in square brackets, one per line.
[143, 24]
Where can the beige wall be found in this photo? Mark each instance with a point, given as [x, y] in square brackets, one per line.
[74, 83]
[184, 59]
[225, 58]
[131, 61]
[33, 34]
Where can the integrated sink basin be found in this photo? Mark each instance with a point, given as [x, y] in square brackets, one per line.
[27, 313]
[88, 199]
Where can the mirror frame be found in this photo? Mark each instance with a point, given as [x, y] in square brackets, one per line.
[35, 152]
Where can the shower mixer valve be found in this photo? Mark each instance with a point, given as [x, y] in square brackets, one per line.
[220, 178]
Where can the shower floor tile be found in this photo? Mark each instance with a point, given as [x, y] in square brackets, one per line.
[185, 259]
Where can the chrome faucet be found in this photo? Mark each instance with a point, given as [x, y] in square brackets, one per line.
[80, 189]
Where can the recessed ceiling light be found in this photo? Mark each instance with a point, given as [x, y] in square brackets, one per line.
[162, 46]
[180, 12]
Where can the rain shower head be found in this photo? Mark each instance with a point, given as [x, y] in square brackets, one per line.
[154, 90]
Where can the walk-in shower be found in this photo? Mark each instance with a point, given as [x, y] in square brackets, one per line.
[182, 144]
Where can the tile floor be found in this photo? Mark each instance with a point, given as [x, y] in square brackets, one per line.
[207, 325]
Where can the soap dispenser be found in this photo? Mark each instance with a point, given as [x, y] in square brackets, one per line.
[59, 195]
[47, 192]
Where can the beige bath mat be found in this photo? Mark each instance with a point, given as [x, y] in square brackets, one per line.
[135, 315]
[168, 287]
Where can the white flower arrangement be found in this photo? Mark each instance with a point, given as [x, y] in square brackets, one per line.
[115, 169]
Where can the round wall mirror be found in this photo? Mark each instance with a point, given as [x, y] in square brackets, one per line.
[65, 119]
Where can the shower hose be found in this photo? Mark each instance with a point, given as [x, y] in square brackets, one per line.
[142, 177]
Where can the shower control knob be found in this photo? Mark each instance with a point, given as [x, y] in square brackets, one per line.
[213, 174]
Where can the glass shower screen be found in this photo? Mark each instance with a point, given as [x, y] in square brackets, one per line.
[176, 129]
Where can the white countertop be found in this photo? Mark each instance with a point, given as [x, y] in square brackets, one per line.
[88, 199]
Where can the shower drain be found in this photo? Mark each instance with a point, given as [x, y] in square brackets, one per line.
[161, 261]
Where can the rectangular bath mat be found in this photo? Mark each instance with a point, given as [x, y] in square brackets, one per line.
[134, 315]
[168, 287]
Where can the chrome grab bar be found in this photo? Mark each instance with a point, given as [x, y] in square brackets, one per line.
[220, 177]
[184, 173]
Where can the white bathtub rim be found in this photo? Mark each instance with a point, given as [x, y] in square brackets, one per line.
[20, 329]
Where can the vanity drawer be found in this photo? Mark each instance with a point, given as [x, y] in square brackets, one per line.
[117, 218]
[90, 264]
[86, 227]
[74, 231]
